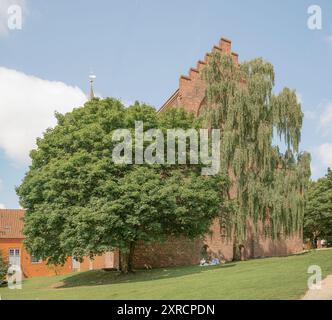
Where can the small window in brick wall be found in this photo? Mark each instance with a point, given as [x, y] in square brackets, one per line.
[34, 259]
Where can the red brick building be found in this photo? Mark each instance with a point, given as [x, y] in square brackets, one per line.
[13, 251]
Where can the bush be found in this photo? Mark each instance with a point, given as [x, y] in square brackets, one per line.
[3, 268]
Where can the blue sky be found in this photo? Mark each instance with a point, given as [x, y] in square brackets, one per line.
[139, 48]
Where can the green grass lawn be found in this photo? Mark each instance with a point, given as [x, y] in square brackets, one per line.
[273, 278]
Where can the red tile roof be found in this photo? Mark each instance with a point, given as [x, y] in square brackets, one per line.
[11, 224]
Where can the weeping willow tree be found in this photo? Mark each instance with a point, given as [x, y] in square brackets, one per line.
[266, 186]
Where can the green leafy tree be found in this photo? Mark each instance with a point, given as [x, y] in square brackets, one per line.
[318, 213]
[79, 203]
[3, 268]
[265, 185]
[147, 208]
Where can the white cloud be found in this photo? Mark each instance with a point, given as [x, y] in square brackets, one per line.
[1, 184]
[326, 116]
[2, 206]
[4, 5]
[325, 154]
[27, 106]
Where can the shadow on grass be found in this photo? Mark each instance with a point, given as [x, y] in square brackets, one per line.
[302, 253]
[101, 277]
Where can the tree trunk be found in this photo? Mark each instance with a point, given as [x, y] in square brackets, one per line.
[126, 258]
[236, 248]
[236, 245]
[131, 257]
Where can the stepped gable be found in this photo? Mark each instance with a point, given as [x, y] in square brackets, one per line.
[191, 92]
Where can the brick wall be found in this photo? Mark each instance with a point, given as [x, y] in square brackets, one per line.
[106, 260]
[180, 252]
[41, 269]
[174, 252]
[30, 269]
[191, 92]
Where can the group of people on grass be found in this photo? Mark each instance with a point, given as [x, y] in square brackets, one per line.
[207, 259]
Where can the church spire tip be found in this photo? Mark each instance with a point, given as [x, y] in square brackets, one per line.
[92, 77]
